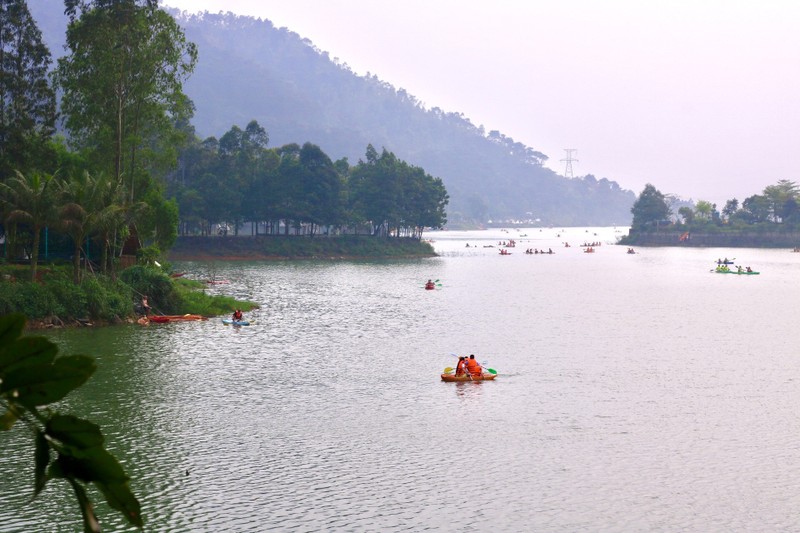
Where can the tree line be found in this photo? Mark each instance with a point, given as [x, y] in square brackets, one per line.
[778, 205]
[299, 190]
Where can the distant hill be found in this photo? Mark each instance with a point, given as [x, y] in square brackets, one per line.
[248, 69]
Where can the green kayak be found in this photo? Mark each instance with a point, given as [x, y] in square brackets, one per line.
[742, 273]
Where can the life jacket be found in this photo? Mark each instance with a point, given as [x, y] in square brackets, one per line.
[237, 315]
[473, 367]
[460, 367]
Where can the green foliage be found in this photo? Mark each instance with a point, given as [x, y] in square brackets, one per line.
[650, 209]
[103, 300]
[239, 180]
[27, 102]
[96, 297]
[33, 375]
[71, 299]
[155, 284]
[32, 297]
[148, 255]
[29, 199]
[197, 302]
[119, 117]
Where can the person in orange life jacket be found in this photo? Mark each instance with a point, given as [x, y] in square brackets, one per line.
[473, 367]
[237, 315]
[460, 367]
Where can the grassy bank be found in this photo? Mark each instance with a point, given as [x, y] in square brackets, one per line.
[291, 247]
[54, 300]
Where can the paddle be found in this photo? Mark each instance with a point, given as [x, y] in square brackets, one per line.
[448, 370]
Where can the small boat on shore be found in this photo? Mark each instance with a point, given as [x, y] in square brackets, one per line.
[163, 319]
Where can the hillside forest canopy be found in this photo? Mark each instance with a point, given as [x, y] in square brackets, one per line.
[249, 69]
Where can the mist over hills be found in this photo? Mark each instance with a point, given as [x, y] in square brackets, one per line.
[248, 69]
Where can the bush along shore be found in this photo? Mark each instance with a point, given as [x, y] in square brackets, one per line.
[54, 300]
[260, 247]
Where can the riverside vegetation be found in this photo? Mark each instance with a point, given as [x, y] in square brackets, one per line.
[55, 300]
[769, 219]
[112, 191]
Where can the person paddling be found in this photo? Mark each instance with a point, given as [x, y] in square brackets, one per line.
[237, 315]
[462, 363]
[473, 367]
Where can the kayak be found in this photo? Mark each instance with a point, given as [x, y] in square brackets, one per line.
[743, 273]
[229, 322]
[467, 377]
[162, 319]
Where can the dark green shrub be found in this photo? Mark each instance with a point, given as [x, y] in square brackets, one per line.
[154, 283]
[70, 298]
[96, 304]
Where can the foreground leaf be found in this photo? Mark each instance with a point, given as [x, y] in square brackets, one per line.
[11, 327]
[90, 523]
[74, 432]
[42, 455]
[33, 385]
[120, 497]
[27, 351]
[7, 420]
[92, 465]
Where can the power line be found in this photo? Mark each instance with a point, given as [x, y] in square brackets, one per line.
[568, 160]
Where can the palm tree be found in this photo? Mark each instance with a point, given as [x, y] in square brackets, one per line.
[81, 204]
[112, 215]
[29, 199]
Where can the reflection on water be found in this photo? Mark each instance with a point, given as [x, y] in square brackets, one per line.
[636, 393]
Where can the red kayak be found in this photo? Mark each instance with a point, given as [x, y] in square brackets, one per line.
[163, 319]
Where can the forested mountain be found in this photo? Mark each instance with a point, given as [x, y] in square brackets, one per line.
[248, 69]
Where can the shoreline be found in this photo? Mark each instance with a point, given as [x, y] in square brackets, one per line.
[292, 248]
[54, 322]
[260, 257]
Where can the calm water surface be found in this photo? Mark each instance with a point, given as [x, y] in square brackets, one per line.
[636, 393]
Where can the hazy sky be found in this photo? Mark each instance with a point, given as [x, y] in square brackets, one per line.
[700, 98]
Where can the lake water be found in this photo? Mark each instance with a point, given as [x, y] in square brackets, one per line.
[636, 392]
